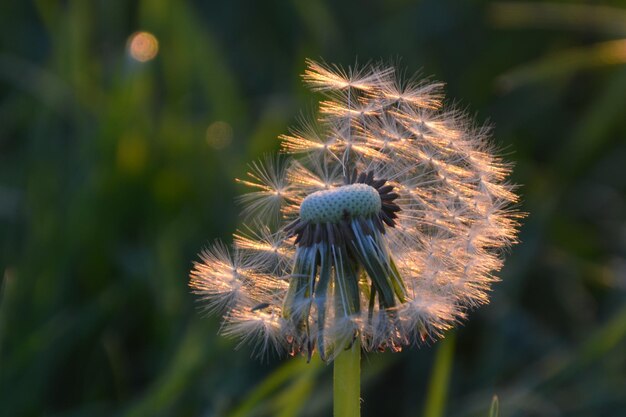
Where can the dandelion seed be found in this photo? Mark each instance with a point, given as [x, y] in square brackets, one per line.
[383, 223]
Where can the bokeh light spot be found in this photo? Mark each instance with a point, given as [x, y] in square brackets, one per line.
[143, 46]
[219, 135]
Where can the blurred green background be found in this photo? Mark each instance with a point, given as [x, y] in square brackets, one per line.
[114, 172]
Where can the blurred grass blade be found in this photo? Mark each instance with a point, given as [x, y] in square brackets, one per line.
[440, 378]
[564, 63]
[494, 410]
[176, 378]
[268, 387]
[608, 337]
[554, 370]
[591, 134]
[598, 345]
[292, 400]
[43, 85]
[580, 17]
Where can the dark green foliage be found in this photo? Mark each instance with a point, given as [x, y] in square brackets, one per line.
[114, 172]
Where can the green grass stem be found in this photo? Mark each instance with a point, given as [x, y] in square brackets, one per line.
[440, 378]
[347, 382]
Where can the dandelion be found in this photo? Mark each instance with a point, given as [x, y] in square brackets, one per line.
[378, 226]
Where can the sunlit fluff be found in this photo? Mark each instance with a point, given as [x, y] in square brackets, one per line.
[383, 220]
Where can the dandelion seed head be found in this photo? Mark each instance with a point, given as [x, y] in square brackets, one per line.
[383, 219]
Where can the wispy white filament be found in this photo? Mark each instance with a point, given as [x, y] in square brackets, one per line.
[454, 223]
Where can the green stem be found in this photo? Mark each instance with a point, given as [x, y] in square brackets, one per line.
[440, 377]
[347, 382]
